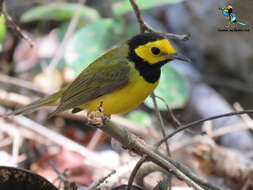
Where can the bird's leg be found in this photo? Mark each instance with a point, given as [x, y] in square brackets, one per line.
[235, 26]
[100, 107]
[97, 118]
[228, 24]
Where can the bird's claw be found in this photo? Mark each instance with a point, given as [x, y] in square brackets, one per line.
[97, 118]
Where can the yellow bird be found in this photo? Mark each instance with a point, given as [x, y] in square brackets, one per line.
[119, 80]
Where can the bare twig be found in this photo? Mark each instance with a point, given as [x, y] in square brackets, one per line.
[59, 139]
[16, 28]
[145, 27]
[246, 124]
[96, 184]
[16, 139]
[175, 122]
[145, 170]
[171, 115]
[127, 140]
[122, 171]
[131, 142]
[161, 122]
[20, 83]
[194, 123]
[61, 176]
[163, 132]
[66, 184]
[228, 129]
[135, 170]
[94, 140]
[137, 11]
[246, 118]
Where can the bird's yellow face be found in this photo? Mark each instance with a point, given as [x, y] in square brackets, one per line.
[149, 52]
[155, 51]
[151, 49]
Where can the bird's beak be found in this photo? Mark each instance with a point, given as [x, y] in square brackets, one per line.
[178, 56]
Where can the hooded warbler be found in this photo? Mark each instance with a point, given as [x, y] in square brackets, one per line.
[121, 79]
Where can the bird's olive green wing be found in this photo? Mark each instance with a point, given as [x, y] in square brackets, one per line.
[96, 80]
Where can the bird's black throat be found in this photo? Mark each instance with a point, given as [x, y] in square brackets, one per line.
[150, 72]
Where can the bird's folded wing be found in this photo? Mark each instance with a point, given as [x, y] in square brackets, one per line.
[95, 81]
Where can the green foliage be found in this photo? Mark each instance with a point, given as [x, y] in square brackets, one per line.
[172, 88]
[121, 7]
[59, 12]
[139, 117]
[2, 29]
[87, 44]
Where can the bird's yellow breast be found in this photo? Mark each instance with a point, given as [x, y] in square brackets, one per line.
[125, 99]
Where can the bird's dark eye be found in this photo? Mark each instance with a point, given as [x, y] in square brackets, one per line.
[155, 50]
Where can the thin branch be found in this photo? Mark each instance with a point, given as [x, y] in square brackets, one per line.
[16, 139]
[246, 118]
[191, 175]
[176, 123]
[127, 140]
[20, 83]
[194, 123]
[145, 27]
[16, 28]
[122, 170]
[145, 170]
[135, 170]
[96, 184]
[246, 124]
[58, 139]
[153, 96]
[138, 15]
[60, 177]
[161, 122]
[94, 140]
[132, 143]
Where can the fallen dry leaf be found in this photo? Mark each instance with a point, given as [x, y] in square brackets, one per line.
[78, 172]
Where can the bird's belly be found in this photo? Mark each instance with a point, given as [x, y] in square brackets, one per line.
[125, 99]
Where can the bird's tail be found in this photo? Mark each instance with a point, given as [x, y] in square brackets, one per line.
[241, 23]
[51, 100]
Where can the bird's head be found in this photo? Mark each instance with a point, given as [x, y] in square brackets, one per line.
[152, 49]
[229, 7]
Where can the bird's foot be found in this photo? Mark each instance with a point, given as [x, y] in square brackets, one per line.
[97, 118]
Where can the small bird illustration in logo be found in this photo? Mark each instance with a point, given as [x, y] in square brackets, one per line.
[228, 12]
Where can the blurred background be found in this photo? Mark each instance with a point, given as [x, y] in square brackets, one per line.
[67, 37]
